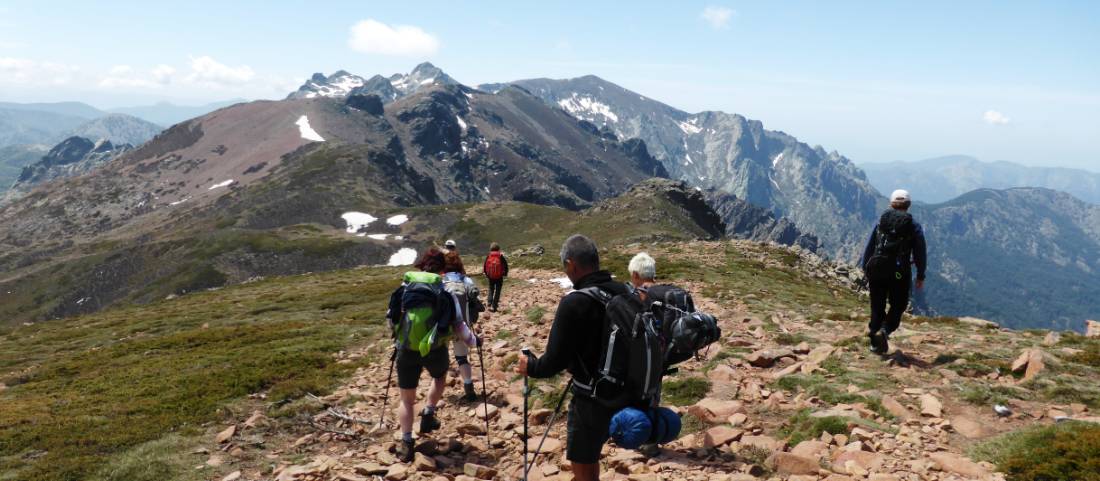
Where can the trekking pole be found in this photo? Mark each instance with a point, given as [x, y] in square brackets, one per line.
[484, 391]
[526, 392]
[389, 378]
[554, 417]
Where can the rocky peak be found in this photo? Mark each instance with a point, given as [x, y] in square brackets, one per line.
[660, 201]
[69, 151]
[339, 84]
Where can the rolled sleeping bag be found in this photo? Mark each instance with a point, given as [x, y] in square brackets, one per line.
[665, 424]
[630, 428]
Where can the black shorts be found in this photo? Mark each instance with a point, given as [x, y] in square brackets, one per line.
[410, 364]
[588, 426]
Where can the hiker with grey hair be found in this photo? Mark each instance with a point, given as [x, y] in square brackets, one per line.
[574, 345]
[896, 244]
[643, 271]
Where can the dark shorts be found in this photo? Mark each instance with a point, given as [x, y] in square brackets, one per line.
[410, 364]
[588, 426]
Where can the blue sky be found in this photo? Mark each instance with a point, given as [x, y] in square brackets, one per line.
[876, 81]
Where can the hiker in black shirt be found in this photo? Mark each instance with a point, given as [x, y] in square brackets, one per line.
[895, 287]
[574, 346]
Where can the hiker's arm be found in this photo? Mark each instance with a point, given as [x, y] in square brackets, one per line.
[394, 309]
[560, 348]
[504, 263]
[920, 253]
[869, 249]
[462, 330]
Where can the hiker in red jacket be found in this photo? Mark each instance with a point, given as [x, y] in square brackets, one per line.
[496, 269]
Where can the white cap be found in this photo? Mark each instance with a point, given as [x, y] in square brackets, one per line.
[451, 242]
[900, 195]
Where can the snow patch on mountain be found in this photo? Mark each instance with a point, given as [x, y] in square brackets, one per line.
[306, 131]
[587, 108]
[689, 127]
[775, 161]
[461, 123]
[221, 184]
[403, 257]
[397, 219]
[357, 220]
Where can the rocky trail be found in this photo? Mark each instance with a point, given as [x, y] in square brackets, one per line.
[902, 416]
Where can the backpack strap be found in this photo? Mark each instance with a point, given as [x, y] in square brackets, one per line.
[587, 388]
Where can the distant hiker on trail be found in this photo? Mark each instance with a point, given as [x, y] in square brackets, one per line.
[423, 316]
[465, 290]
[496, 269]
[450, 246]
[574, 345]
[896, 243]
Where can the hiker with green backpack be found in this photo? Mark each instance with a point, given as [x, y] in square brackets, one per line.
[424, 317]
[896, 244]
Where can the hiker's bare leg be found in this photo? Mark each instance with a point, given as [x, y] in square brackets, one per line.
[466, 371]
[436, 393]
[586, 472]
[405, 410]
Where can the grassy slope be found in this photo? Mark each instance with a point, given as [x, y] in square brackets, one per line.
[84, 391]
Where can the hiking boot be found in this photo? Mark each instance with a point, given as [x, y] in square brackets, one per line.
[649, 450]
[428, 423]
[471, 395]
[876, 342]
[406, 450]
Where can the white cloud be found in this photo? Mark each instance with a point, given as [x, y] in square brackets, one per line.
[209, 72]
[124, 76]
[374, 37]
[994, 117]
[718, 17]
[25, 71]
[163, 73]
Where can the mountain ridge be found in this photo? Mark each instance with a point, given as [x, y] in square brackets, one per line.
[940, 179]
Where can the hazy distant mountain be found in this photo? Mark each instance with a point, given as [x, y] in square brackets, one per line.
[117, 128]
[12, 160]
[823, 193]
[944, 178]
[1025, 257]
[69, 109]
[19, 126]
[168, 114]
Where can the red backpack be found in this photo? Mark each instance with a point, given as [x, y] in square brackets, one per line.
[494, 266]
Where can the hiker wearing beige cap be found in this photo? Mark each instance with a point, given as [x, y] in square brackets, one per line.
[896, 244]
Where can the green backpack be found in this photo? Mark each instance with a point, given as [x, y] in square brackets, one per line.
[427, 311]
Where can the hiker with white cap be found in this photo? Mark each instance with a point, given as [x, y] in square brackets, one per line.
[449, 246]
[896, 244]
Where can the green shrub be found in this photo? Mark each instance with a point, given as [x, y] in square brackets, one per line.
[685, 392]
[534, 314]
[789, 339]
[1059, 452]
[802, 427]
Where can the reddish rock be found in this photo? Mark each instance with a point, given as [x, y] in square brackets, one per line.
[721, 436]
[789, 463]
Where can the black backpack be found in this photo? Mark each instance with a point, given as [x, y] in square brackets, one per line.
[683, 331]
[893, 241]
[632, 356]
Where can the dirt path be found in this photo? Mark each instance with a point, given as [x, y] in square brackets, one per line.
[904, 420]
